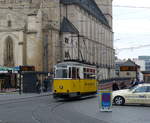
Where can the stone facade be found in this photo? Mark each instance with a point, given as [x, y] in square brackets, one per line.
[41, 38]
[95, 42]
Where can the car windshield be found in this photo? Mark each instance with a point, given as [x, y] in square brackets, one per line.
[133, 88]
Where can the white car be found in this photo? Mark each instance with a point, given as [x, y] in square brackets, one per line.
[139, 94]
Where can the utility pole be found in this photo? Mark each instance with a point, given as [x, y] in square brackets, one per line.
[78, 47]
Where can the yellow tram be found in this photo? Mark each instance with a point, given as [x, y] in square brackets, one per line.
[73, 79]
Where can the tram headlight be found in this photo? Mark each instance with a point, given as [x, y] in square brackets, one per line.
[61, 87]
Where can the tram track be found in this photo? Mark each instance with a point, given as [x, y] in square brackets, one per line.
[36, 118]
[44, 110]
[50, 108]
[56, 106]
[53, 105]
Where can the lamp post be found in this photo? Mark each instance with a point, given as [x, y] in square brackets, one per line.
[19, 81]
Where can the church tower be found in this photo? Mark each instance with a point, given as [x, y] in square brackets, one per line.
[106, 8]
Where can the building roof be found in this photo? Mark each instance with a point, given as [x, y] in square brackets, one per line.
[129, 63]
[67, 26]
[73, 63]
[91, 7]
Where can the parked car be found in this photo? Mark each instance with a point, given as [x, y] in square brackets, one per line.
[139, 94]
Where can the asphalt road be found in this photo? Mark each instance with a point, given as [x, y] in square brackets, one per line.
[46, 110]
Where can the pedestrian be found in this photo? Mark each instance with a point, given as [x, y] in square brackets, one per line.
[38, 86]
[46, 81]
[141, 82]
[135, 82]
[131, 83]
[122, 85]
[115, 87]
[2, 85]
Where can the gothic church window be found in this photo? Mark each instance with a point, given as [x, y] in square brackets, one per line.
[8, 56]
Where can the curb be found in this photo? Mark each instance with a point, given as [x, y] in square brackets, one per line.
[20, 97]
[8, 93]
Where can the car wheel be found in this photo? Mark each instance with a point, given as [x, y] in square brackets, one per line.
[119, 100]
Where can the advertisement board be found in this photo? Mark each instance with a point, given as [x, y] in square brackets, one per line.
[105, 100]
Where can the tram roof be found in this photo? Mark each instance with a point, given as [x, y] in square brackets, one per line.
[63, 64]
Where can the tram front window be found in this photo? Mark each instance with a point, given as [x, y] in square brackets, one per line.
[61, 73]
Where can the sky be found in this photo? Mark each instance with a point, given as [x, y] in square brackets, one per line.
[131, 27]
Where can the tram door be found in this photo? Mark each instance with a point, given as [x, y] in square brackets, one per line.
[75, 78]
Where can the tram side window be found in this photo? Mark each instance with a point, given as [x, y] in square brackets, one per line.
[61, 73]
[85, 73]
[78, 75]
[70, 72]
[89, 73]
[91, 76]
[85, 76]
[74, 72]
[64, 73]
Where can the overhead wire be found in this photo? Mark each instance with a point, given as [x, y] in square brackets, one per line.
[44, 7]
[136, 47]
[125, 6]
[132, 7]
[31, 7]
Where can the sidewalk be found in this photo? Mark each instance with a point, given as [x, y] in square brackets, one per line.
[17, 96]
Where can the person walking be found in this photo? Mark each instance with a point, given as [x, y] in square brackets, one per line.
[115, 87]
[122, 85]
[135, 82]
[38, 86]
[46, 81]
